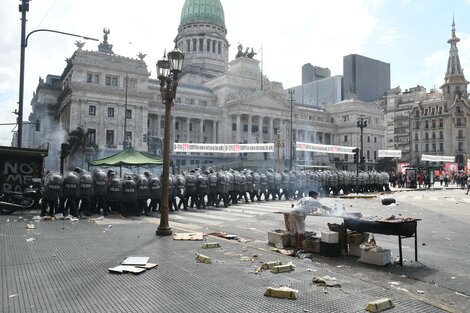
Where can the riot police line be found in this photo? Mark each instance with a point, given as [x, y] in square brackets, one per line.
[80, 192]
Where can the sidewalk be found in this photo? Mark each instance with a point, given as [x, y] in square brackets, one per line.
[62, 266]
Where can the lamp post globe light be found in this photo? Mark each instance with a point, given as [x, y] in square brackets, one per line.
[168, 70]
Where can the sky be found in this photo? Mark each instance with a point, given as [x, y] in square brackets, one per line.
[411, 35]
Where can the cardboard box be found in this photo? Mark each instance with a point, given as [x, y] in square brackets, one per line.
[311, 245]
[377, 258]
[330, 249]
[329, 237]
[354, 250]
[279, 237]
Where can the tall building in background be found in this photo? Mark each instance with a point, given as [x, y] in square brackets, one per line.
[319, 93]
[312, 73]
[365, 78]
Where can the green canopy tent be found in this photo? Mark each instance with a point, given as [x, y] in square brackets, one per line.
[129, 157]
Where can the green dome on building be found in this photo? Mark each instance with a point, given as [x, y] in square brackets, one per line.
[210, 11]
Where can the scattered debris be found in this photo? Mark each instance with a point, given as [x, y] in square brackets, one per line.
[126, 269]
[282, 292]
[303, 255]
[13, 296]
[188, 236]
[283, 251]
[209, 245]
[136, 260]
[326, 281]
[30, 226]
[270, 265]
[461, 294]
[134, 265]
[283, 268]
[30, 239]
[420, 292]
[203, 258]
[379, 305]
[246, 259]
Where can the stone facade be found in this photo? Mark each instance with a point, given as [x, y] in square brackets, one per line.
[435, 123]
[217, 102]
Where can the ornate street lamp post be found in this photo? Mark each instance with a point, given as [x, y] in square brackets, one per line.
[278, 143]
[292, 145]
[167, 71]
[24, 8]
[362, 123]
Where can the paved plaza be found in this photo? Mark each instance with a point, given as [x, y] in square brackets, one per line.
[62, 266]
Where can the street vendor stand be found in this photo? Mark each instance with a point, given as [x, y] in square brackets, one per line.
[403, 228]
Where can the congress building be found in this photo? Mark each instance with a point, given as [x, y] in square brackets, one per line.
[220, 99]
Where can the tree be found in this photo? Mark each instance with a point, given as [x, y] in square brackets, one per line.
[78, 141]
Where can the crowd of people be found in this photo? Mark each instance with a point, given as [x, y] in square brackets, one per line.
[423, 179]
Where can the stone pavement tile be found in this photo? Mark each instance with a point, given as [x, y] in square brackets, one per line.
[65, 269]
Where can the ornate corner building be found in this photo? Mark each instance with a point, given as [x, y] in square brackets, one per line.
[114, 99]
[435, 123]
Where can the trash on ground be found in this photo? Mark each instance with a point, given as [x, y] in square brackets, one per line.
[30, 226]
[304, 255]
[283, 268]
[134, 265]
[30, 239]
[282, 292]
[325, 281]
[379, 305]
[203, 258]
[126, 269]
[13, 296]
[283, 251]
[136, 260]
[270, 265]
[420, 292]
[188, 236]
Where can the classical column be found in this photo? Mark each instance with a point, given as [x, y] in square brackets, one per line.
[238, 134]
[158, 130]
[270, 129]
[188, 130]
[201, 130]
[249, 128]
[214, 131]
